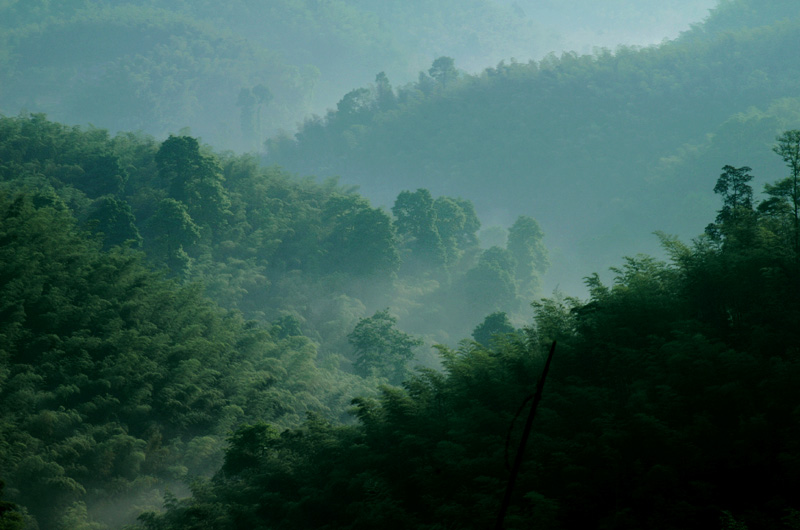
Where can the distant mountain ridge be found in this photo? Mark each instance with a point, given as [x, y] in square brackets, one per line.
[163, 65]
[602, 149]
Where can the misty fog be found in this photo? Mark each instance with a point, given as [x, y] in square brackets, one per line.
[163, 66]
[298, 264]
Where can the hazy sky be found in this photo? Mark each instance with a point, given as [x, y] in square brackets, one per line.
[582, 26]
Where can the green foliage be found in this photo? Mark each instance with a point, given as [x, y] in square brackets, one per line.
[415, 219]
[443, 71]
[247, 446]
[456, 223]
[116, 381]
[489, 286]
[626, 131]
[114, 219]
[438, 234]
[736, 193]
[671, 403]
[232, 73]
[380, 348]
[10, 517]
[737, 199]
[362, 239]
[493, 327]
[526, 246]
[193, 179]
[118, 372]
[174, 231]
[788, 148]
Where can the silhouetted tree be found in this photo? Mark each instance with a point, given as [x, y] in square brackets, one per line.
[788, 148]
[443, 70]
[495, 324]
[385, 96]
[737, 198]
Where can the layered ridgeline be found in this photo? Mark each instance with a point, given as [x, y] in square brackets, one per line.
[156, 295]
[237, 71]
[602, 149]
[671, 403]
[233, 72]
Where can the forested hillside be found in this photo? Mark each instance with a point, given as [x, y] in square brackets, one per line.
[237, 71]
[602, 149]
[671, 403]
[233, 72]
[156, 295]
[344, 331]
[128, 393]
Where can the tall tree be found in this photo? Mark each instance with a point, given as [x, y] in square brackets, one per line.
[362, 240]
[737, 194]
[264, 97]
[194, 179]
[115, 220]
[457, 225]
[173, 231]
[415, 219]
[489, 286]
[252, 101]
[443, 70]
[495, 324]
[737, 198]
[450, 221]
[381, 348]
[385, 96]
[788, 148]
[354, 105]
[526, 245]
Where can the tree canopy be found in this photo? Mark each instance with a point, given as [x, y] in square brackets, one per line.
[670, 404]
[157, 296]
[583, 142]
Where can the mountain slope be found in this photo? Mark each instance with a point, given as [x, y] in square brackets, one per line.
[600, 148]
[237, 71]
[163, 65]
